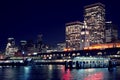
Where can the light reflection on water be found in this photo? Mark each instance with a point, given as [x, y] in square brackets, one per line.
[55, 72]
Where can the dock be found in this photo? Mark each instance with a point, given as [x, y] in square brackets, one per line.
[75, 63]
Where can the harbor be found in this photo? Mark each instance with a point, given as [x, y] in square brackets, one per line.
[59, 40]
[75, 63]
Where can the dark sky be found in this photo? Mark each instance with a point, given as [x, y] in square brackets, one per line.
[25, 19]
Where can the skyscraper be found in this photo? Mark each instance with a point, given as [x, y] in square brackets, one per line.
[30, 47]
[39, 43]
[10, 47]
[111, 32]
[84, 39]
[23, 45]
[61, 46]
[73, 33]
[94, 16]
[11, 41]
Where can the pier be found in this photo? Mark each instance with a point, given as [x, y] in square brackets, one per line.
[105, 58]
[87, 62]
[77, 62]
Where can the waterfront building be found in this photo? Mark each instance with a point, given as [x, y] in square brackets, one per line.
[50, 49]
[73, 34]
[61, 46]
[111, 32]
[94, 16]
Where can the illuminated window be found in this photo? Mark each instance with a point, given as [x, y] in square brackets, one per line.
[87, 40]
[82, 40]
[82, 33]
[87, 32]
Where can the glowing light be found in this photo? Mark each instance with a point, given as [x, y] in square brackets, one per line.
[87, 32]
[103, 46]
[67, 49]
[50, 67]
[21, 61]
[83, 33]
[96, 76]
[67, 75]
[35, 53]
[89, 70]
[29, 59]
[7, 61]
[82, 40]
[29, 54]
[23, 52]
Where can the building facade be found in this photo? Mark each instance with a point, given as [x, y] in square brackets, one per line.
[84, 39]
[30, 47]
[23, 45]
[111, 32]
[61, 46]
[10, 47]
[39, 43]
[94, 16]
[73, 33]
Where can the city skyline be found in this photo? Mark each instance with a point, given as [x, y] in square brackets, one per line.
[25, 20]
[59, 40]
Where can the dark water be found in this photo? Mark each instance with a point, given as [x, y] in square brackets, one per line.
[55, 72]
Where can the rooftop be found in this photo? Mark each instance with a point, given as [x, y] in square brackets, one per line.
[96, 4]
[74, 23]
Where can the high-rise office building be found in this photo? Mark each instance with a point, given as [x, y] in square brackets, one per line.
[39, 43]
[23, 45]
[11, 41]
[73, 33]
[10, 47]
[111, 32]
[94, 16]
[30, 47]
[84, 39]
[61, 46]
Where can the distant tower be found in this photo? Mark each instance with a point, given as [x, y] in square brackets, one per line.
[111, 32]
[30, 47]
[73, 34]
[23, 45]
[11, 41]
[10, 48]
[61, 46]
[94, 16]
[39, 43]
[84, 41]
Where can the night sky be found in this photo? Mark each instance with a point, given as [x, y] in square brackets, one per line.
[25, 19]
